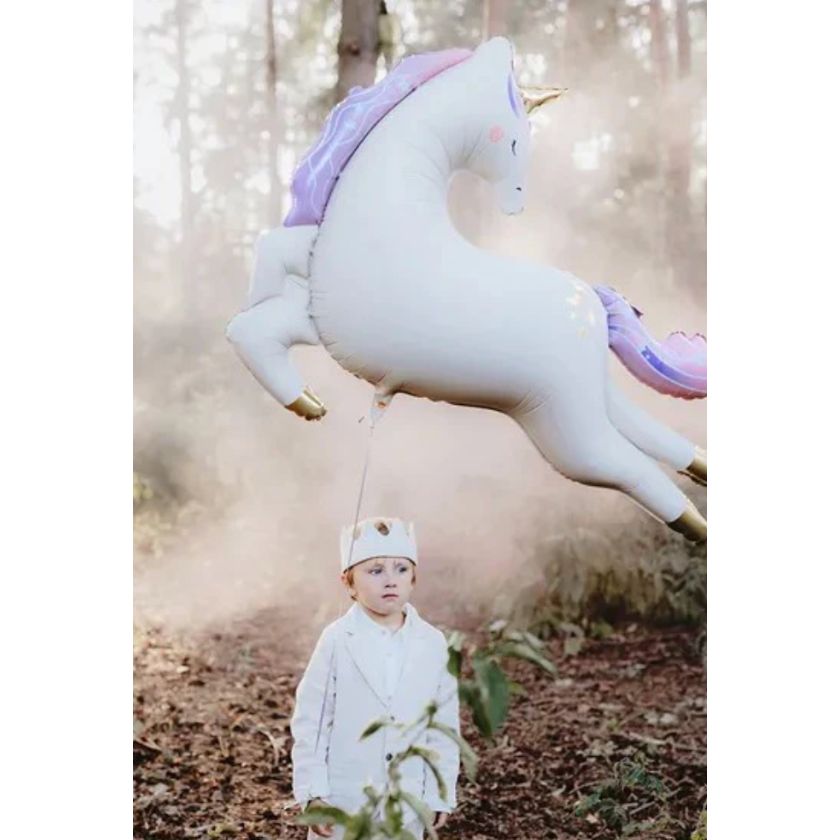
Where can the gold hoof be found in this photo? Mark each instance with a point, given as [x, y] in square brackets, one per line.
[690, 524]
[697, 469]
[308, 406]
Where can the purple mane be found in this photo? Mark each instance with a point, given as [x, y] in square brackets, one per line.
[347, 126]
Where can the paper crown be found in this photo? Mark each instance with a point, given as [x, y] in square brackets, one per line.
[378, 536]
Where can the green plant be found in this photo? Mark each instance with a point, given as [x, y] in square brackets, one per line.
[593, 579]
[699, 833]
[382, 814]
[488, 691]
[628, 793]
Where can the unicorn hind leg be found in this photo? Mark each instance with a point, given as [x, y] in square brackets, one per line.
[594, 452]
[263, 336]
[655, 438]
[277, 317]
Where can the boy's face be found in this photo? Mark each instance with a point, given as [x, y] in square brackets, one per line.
[382, 584]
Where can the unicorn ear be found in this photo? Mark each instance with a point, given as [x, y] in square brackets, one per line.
[498, 49]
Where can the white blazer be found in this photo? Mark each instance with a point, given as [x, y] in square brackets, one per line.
[340, 694]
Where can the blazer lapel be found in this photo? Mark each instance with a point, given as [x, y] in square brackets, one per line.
[413, 653]
[365, 658]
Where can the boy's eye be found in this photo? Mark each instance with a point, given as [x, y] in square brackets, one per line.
[376, 570]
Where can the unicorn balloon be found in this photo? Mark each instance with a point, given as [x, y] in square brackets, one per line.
[369, 264]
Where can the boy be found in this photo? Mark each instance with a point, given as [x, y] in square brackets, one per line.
[378, 660]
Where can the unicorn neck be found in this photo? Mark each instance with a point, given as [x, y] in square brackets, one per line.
[419, 151]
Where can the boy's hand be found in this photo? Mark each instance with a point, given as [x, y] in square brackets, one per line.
[320, 830]
[440, 819]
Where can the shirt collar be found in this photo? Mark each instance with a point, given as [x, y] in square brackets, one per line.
[365, 624]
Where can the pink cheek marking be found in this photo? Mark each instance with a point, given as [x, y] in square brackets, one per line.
[496, 133]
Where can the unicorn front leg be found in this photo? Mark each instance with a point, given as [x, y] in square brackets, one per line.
[263, 336]
[655, 438]
[587, 448]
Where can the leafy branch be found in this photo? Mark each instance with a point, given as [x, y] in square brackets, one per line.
[366, 824]
[487, 693]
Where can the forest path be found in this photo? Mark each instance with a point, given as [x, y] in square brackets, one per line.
[212, 742]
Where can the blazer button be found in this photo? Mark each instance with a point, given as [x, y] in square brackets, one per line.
[388, 756]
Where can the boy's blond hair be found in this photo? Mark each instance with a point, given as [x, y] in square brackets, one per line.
[347, 576]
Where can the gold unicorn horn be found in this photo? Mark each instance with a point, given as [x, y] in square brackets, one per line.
[536, 97]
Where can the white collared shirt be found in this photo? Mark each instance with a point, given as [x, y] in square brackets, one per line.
[389, 645]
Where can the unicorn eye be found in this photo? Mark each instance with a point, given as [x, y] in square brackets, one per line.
[513, 147]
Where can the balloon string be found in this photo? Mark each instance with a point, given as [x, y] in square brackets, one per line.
[362, 484]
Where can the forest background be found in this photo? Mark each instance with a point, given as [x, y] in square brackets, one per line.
[237, 506]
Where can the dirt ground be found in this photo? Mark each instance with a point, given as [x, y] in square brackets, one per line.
[212, 741]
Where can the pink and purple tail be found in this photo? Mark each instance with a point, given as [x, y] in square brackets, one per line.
[675, 366]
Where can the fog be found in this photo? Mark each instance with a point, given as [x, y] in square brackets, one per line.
[241, 502]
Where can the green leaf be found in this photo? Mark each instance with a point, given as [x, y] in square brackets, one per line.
[323, 814]
[572, 645]
[360, 827]
[519, 650]
[455, 662]
[373, 727]
[430, 757]
[587, 804]
[534, 641]
[468, 755]
[372, 795]
[423, 811]
[393, 815]
[700, 832]
[600, 630]
[455, 640]
[469, 692]
[517, 688]
[494, 691]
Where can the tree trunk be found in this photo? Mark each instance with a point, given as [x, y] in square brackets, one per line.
[185, 145]
[659, 45]
[495, 18]
[683, 253]
[683, 41]
[576, 45]
[358, 45]
[274, 191]
[476, 206]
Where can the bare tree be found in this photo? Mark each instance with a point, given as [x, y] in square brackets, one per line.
[683, 40]
[659, 44]
[181, 114]
[495, 18]
[358, 45]
[274, 198]
[676, 131]
[181, 110]
[390, 35]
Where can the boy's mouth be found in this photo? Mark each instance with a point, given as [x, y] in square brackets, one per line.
[390, 595]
